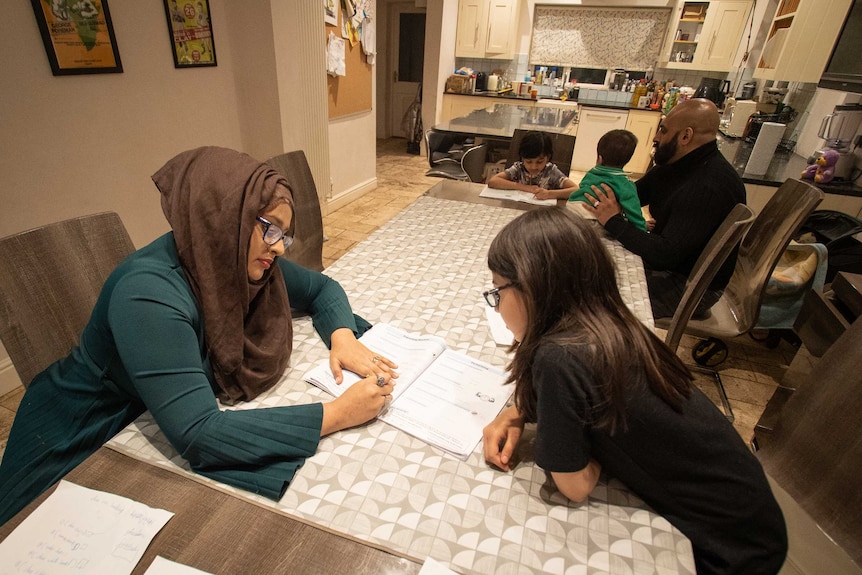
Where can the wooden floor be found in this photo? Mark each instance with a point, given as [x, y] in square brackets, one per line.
[750, 374]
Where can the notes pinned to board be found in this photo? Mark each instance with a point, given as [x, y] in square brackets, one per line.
[80, 530]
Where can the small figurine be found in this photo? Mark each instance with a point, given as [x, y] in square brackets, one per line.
[822, 170]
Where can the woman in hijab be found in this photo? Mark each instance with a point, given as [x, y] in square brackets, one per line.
[203, 311]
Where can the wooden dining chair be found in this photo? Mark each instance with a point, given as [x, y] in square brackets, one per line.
[50, 278]
[307, 248]
[564, 147]
[717, 250]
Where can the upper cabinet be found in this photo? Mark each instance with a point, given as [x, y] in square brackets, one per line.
[486, 28]
[800, 39]
[706, 35]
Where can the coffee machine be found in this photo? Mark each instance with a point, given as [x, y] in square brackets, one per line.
[838, 130]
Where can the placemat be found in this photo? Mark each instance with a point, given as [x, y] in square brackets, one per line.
[424, 272]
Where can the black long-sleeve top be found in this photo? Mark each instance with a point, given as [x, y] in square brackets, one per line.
[688, 200]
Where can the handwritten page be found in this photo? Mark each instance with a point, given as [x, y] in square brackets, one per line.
[162, 566]
[515, 196]
[80, 530]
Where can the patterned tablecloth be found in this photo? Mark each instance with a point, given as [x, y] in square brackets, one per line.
[424, 272]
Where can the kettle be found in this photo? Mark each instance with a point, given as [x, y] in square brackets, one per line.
[713, 89]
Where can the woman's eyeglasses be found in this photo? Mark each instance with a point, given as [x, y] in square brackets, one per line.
[272, 233]
[492, 296]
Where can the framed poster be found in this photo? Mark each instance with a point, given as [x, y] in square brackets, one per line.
[78, 36]
[330, 14]
[191, 33]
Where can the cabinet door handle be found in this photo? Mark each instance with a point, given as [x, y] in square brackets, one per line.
[712, 43]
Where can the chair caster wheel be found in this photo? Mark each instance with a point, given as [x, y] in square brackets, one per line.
[709, 352]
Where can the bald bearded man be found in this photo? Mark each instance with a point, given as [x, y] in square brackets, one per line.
[689, 192]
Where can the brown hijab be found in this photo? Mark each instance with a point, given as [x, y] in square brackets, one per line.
[211, 197]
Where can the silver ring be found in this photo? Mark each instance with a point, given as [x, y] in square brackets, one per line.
[596, 204]
[381, 381]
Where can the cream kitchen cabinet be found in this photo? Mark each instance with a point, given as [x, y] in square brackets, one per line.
[643, 125]
[593, 123]
[706, 35]
[800, 39]
[486, 28]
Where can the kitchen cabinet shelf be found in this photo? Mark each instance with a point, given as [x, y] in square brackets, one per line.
[713, 31]
[789, 53]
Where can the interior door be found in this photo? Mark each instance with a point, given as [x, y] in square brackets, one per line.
[406, 60]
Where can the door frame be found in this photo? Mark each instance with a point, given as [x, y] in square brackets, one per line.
[393, 10]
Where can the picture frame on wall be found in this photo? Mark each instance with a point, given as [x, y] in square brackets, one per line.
[190, 30]
[330, 12]
[78, 36]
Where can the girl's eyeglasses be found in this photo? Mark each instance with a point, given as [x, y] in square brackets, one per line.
[492, 296]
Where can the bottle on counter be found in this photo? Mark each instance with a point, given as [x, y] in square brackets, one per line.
[639, 90]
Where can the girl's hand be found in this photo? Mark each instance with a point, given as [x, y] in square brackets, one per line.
[359, 403]
[349, 353]
[501, 436]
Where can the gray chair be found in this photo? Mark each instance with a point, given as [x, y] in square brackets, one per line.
[307, 248]
[50, 278]
[738, 309]
[564, 147]
[717, 250]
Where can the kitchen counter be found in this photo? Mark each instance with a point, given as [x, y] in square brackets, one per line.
[502, 120]
[784, 165]
[509, 97]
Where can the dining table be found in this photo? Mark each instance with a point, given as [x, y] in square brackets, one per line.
[373, 499]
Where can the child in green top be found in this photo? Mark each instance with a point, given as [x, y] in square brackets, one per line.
[614, 149]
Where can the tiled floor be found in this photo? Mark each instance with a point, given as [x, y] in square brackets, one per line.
[750, 374]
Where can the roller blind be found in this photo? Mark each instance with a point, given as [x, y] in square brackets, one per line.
[590, 37]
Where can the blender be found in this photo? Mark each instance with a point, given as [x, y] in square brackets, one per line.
[838, 130]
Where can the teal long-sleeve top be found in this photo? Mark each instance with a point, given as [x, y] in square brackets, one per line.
[144, 348]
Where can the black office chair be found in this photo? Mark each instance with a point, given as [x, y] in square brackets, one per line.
[470, 167]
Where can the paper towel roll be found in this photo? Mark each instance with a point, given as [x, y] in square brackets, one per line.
[764, 148]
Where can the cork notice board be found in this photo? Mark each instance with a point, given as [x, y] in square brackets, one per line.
[350, 93]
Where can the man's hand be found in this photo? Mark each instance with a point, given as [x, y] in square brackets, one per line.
[603, 204]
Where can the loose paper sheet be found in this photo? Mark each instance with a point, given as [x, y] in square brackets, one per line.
[80, 530]
[162, 566]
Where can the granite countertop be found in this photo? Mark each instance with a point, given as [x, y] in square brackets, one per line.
[580, 101]
[784, 165]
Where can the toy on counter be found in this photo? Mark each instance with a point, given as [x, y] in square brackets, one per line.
[822, 169]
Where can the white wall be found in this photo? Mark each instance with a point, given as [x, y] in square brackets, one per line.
[71, 145]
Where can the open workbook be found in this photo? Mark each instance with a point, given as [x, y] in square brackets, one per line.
[441, 396]
[515, 196]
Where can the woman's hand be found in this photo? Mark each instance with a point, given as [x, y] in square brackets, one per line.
[501, 436]
[359, 403]
[349, 353]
